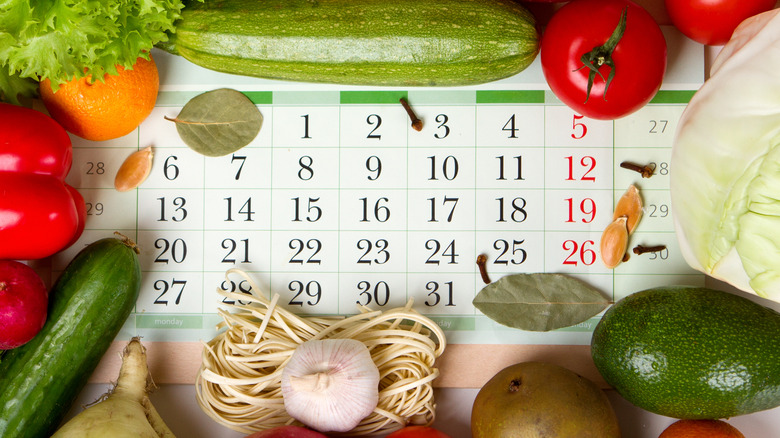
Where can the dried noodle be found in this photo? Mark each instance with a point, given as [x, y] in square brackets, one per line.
[239, 382]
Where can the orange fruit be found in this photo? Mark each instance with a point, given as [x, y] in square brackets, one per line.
[97, 110]
[701, 429]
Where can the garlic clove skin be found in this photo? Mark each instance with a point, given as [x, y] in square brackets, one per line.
[330, 385]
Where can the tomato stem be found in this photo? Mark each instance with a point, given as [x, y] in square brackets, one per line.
[602, 55]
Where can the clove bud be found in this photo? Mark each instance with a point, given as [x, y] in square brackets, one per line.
[640, 249]
[482, 265]
[646, 171]
[417, 124]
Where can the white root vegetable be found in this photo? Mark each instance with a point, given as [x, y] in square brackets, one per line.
[126, 411]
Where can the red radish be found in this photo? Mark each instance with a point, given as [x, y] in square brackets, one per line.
[287, 432]
[23, 304]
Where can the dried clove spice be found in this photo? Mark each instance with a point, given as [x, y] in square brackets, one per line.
[417, 124]
[482, 264]
[641, 249]
[646, 171]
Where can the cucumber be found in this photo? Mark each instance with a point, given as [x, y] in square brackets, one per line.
[359, 42]
[88, 305]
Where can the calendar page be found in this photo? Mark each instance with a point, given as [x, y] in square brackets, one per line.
[339, 202]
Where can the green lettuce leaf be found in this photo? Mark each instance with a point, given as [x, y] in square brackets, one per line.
[66, 39]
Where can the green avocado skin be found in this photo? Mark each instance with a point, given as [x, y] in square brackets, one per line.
[690, 352]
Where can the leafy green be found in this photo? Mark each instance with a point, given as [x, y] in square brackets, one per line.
[65, 39]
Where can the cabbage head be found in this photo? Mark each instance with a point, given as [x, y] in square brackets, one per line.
[725, 179]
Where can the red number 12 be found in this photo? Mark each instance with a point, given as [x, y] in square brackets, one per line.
[588, 162]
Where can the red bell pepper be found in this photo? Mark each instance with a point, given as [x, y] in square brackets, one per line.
[40, 214]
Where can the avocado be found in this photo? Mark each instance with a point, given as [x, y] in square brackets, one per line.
[690, 352]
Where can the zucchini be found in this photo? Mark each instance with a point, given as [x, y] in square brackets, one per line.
[89, 303]
[359, 42]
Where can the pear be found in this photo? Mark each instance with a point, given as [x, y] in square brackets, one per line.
[538, 399]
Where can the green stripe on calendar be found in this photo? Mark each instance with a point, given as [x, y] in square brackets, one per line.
[673, 96]
[371, 97]
[169, 321]
[211, 320]
[585, 326]
[260, 97]
[551, 99]
[175, 98]
[510, 96]
[306, 97]
[438, 97]
[450, 323]
[179, 98]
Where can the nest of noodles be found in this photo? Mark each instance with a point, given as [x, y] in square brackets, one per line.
[239, 381]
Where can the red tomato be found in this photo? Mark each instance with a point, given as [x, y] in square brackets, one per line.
[712, 22]
[638, 58]
[418, 432]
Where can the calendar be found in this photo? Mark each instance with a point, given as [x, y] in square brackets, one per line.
[339, 202]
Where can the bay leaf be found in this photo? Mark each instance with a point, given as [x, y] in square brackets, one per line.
[539, 302]
[218, 122]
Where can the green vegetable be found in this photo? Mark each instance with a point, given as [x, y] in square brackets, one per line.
[218, 122]
[689, 352]
[90, 302]
[370, 42]
[726, 164]
[61, 40]
[539, 302]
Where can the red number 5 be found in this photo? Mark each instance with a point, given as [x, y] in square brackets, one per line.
[575, 125]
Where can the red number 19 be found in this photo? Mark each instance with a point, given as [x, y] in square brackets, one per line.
[587, 208]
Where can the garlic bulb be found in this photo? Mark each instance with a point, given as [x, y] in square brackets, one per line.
[330, 385]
